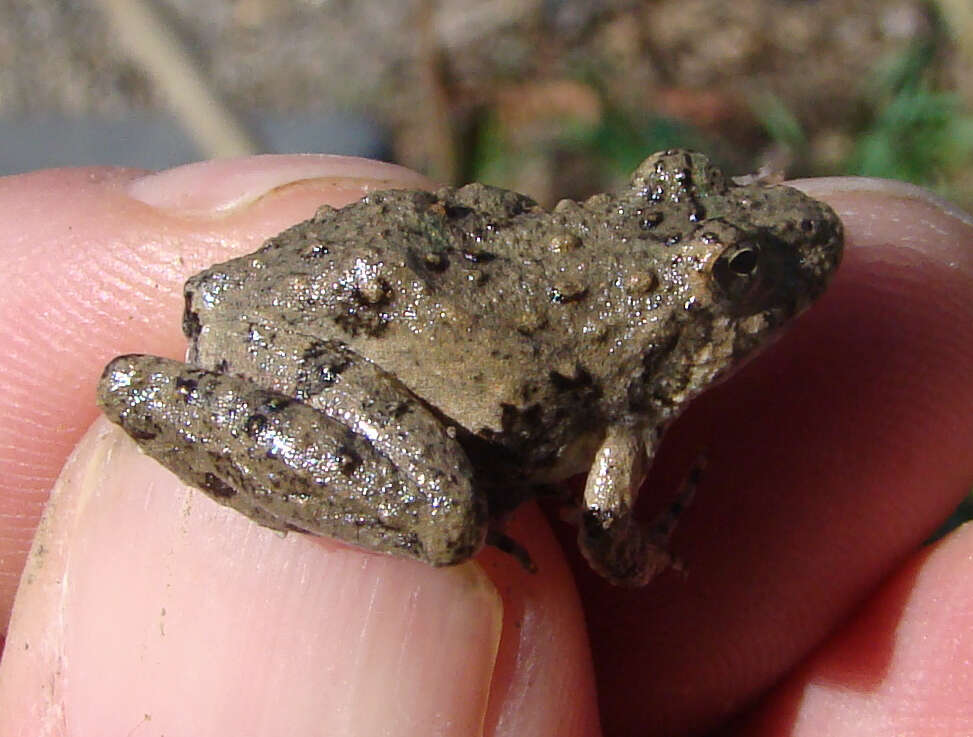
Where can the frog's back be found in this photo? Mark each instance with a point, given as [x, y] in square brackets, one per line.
[526, 327]
[467, 295]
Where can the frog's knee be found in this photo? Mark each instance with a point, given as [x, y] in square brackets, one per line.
[126, 389]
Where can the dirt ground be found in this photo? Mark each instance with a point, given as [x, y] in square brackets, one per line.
[552, 97]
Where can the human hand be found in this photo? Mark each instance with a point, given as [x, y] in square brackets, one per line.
[829, 459]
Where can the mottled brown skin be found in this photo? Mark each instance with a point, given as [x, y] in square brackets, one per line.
[400, 373]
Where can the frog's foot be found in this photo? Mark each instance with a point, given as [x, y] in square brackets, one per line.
[506, 544]
[343, 469]
[616, 545]
[662, 527]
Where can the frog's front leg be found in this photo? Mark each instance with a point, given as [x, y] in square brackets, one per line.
[345, 472]
[616, 544]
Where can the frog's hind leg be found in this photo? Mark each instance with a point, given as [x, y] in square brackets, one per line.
[615, 543]
[344, 469]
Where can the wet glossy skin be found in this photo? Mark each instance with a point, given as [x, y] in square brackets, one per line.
[404, 371]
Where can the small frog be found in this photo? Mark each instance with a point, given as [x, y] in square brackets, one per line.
[402, 372]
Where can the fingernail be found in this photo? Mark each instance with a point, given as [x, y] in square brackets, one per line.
[216, 186]
[890, 188]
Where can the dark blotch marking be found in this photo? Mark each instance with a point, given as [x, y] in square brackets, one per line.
[597, 521]
[422, 261]
[478, 257]
[653, 361]
[520, 422]
[321, 367]
[651, 220]
[318, 349]
[521, 205]
[506, 544]
[456, 212]
[327, 374]
[435, 261]
[217, 487]
[357, 319]
[565, 383]
[254, 425]
[348, 460]
[275, 404]
[186, 387]
[191, 327]
[560, 297]
[315, 251]
[398, 408]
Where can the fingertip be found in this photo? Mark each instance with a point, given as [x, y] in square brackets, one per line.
[143, 597]
[866, 678]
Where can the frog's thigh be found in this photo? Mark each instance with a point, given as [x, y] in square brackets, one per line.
[289, 465]
[614, 542]
[329, 376]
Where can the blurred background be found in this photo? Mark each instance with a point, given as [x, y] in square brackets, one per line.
[550, 97]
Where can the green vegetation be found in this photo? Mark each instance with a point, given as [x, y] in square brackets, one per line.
[620, 142]
[617, 144]
[916, 132]
[781, 124]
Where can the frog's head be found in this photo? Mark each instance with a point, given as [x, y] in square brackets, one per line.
[760, 257]
[754, 255]
[771, 254]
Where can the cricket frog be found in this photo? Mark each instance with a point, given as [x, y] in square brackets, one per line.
[402, 372]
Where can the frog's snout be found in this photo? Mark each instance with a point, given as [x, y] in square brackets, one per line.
[822, 250]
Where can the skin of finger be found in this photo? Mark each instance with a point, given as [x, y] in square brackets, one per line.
[831, 458]
[900, 666]
[145, 603]
[88, 272]
[527, 643]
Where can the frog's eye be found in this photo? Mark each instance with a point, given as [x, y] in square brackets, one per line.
[738, 269]
[744, 261]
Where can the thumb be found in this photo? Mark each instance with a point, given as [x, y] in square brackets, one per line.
[145, 601]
